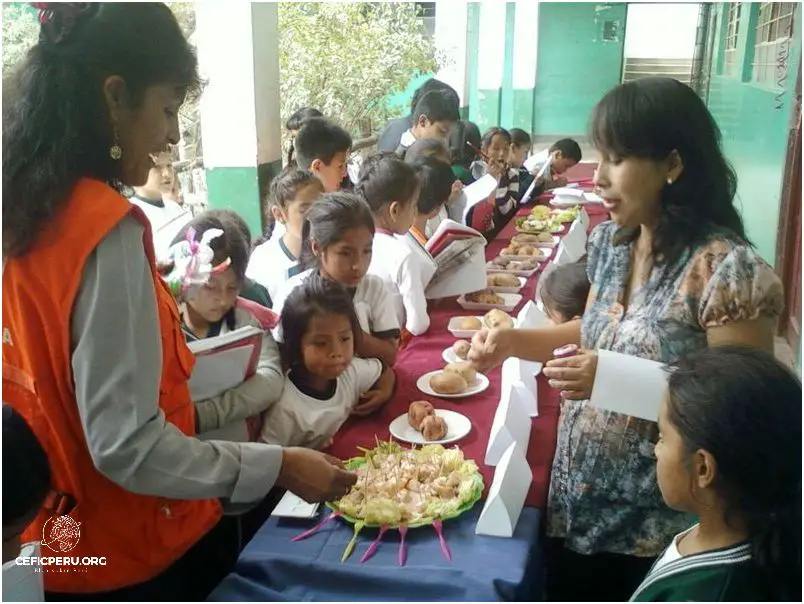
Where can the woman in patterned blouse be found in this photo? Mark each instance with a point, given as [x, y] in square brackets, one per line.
[671, 273]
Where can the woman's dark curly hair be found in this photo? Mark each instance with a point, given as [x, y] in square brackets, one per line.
[56, 128]
[650, 118]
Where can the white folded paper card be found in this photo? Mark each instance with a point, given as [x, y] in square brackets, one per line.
[593, 198]
[511, 424]
[628, 385]
[583, 218]
[23, 583]
[575, 242]
[520, 377]
[293, 506]
[531, 316]
[563, 256]
[509, 488]
[548, 268]
[477, 192]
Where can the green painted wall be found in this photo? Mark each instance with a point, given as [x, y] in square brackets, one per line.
[486, 112]
[523, 110]
[402, 99]
[575, 67]
[236, 189]
[754, 120]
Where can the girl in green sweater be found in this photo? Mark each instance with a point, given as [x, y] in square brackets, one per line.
[729, 452]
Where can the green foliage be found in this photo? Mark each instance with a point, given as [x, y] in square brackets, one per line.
[348, 59]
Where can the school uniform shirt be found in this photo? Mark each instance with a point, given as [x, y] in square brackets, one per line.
[395, 263]
[304, 417]
[272, 264]
[373, 305]
[406, 141]
[392, 134]
[255, 394]
[167, 219]
[721, 575]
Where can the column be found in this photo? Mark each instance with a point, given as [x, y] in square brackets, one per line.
[240, 122]
[526, 32]
[472, 59]
[451, 27]
[507, 86]
[490, 65]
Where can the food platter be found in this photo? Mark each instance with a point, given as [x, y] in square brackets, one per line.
[480, 384]
[449, 463]
[458, 426]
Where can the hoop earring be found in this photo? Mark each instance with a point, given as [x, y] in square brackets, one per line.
[115, 152]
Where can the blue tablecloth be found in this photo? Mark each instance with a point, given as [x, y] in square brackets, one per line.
[271, 568]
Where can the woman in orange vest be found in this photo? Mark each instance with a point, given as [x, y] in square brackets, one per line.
[93, 355]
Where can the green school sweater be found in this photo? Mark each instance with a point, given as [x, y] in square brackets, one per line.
[724, 575]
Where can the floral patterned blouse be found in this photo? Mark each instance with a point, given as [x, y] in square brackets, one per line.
[603, 491]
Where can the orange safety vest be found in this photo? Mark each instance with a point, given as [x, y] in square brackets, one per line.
[140, 536]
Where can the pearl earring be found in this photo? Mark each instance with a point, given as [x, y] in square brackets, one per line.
[669, 181]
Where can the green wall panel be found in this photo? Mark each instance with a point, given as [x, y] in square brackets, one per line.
[754, 121]
[523, 110]
[236, 189]
[575, 66]
[486, 112]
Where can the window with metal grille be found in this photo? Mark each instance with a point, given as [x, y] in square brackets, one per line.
[774, 30]
[730, 66]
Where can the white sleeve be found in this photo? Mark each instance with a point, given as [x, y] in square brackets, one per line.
[383, 312]
[367, 372]
[279, 303]
[417, 321]
[257, 268]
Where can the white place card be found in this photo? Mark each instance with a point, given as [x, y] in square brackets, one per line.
[509, 488]
[575, 242]
[531, 316]
[548, 268]
[563, 255]
[293, 506]
[583, 218]
[511, 425]
[516, 372]
[628, 385]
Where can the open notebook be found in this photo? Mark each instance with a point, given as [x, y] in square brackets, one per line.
[459, 254]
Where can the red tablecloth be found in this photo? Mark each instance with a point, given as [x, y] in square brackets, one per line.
[423, 354]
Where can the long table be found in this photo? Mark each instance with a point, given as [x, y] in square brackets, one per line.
[271, 568]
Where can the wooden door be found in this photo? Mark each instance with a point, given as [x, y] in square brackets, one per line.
[788, 249]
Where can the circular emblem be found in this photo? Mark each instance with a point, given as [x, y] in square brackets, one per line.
[61, 533]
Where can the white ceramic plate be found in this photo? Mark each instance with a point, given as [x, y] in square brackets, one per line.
[466, 334]
[449, 356]
[510, 302]
[458, 426]
[491, 268]
[423, 384]
[542, 244]
[544, 255]
[508, 289]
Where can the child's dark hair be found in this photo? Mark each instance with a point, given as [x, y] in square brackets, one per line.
[385, 178]
[488, 136]
[231, 219]
[568, 147]
[652, 117]
[26, 470]
[231, 244]
[425, 147]
[321, 139]
[744, 408]
[298, 119]
[316, 295]
[428, 86]
[566, 289]
[464, 138]
[520, 138]
[435, 178]
[56, 128]
[286, 186]
[438, 106]
[329, 218]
